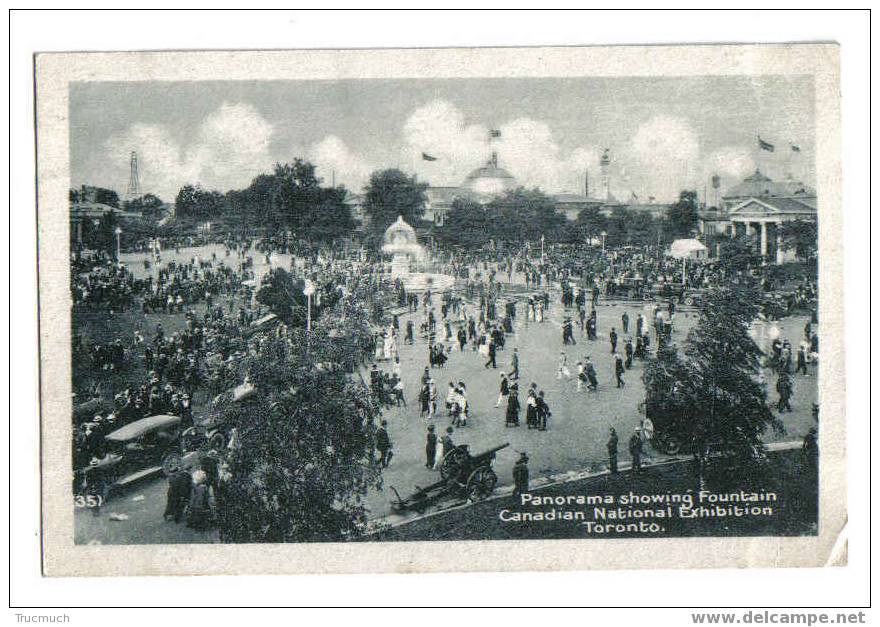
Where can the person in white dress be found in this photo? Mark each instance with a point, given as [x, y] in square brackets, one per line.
[562, 368]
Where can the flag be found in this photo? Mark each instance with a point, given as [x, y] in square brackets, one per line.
[427, 157]
[795, 148]
[716, 181]
[494, 133]
[764, 145]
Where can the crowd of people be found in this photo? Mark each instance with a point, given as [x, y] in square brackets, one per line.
[496, 298]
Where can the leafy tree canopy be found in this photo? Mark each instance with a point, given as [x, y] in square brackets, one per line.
[802, 236]
[392, 193]
[683, 215]
[307, 444]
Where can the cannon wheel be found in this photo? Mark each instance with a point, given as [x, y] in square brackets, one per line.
[481, 483]
[451, 461]
[217, 441]
[668, 444]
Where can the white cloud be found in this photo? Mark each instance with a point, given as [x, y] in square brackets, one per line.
[731, 162]
[662, 158]
[526, 148]
[231, 147]
[332, 155]
[439, 130]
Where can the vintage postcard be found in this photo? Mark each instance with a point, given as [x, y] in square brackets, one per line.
[441, 310]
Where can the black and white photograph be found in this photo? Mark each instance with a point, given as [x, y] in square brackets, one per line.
[393, 312]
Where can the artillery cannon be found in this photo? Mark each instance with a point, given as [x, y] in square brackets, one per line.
[462, 474]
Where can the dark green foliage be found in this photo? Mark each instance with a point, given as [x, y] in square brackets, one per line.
[683, 215]
[713, 387]
[290, 198]
[467, 224]
[739, 254]
[195, 203]
[392, 193]
[283, 295]
[802, 236]
[307, 446]
[149, 205]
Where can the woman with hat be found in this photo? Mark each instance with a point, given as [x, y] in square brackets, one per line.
[512, 415]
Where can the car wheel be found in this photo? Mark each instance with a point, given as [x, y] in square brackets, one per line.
[171, 463]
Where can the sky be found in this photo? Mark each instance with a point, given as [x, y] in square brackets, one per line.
[664, 134]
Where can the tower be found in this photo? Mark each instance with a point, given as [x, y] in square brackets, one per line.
[134, 183]
[604, 164]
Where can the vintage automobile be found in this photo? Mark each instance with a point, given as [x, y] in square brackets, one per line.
[665, 292]
[137, 450]
[693, 297]
[212, 431]
[86, 410]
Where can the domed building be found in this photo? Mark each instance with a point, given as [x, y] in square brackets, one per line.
[759, 185]
[756, 207]
[489, 181]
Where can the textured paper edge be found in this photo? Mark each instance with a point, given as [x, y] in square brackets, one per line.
[61, 557]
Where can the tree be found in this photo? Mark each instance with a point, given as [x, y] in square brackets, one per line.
[307, 447]
[389, 194]
[330, 218]
[683, 215]
[297, 193]
[148, 205]
[467, 224]
[642, 230]
[714, 389]
[101, 236]
[802, 236]
[195, 203]
[283, 295]
[739, 254]
[591, 222]
[525, 214]
[618, 226]
[106, 197]
[291, 197]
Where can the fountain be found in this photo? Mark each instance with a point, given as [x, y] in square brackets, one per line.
[402, 244]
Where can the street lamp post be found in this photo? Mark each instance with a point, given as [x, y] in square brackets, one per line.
[118, 232]
[604, 234]
[308, 290]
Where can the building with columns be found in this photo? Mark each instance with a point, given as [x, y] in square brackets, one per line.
[758, 206]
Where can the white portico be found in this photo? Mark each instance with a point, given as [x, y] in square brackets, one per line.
[761, 217]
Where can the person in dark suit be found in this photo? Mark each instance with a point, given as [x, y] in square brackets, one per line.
[430, 447]
[383, 445]
[492, 353]
[612, 451]
[179, 488]
[543, 411]
[521, 475]
[619, 369]
[635, 450]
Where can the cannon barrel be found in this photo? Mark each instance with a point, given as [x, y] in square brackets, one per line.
[492, 450]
